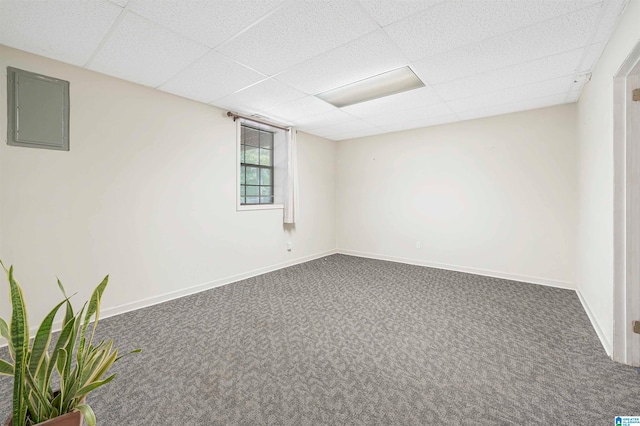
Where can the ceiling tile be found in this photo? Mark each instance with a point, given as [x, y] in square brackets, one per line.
[323, 120]
[563, 64]
[299, 31]
[121, 3]
[144, 52]
[591, 56]
[399, 102]
[354, 125]
[355, 134]
[211, 77]
[573, 96]
[392, 116]
[610, 17]
[423, 122]
[522, 105]
[453, 24]
[69, 34]
[304, 107]
[385, 12]
[209, 22]
[554, 36]
[557, 86]
[264, 95]
[365, 57]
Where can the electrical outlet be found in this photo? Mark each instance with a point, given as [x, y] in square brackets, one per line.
[418, 245]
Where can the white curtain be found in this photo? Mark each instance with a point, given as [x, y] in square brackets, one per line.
[291, 204]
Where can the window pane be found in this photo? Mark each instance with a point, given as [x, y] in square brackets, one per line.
[266, 140]
[242, 190]
[265, 157]
[243, 200]
[253, 190]
[253, 200]
[266, 200]
[242, 149]
[265, 176]
[266, 190]
[242, 175]
[251, 155]
[252, 175]
[250, 136]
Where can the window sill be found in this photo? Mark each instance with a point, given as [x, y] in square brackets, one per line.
[260, 207]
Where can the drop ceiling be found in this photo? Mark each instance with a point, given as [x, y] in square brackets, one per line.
[270, 57]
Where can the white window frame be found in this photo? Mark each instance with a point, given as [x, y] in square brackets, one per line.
[249, 207]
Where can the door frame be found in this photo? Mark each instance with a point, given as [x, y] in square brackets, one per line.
[626, 208]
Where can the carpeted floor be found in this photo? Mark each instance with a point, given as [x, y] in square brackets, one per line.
[344, 340]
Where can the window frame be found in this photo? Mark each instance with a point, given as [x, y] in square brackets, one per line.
[239, 164]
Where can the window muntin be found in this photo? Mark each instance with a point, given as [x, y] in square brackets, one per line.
[256, 166]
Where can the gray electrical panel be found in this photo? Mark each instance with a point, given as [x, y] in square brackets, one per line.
[37, 110]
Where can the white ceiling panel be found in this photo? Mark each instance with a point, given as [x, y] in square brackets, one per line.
[564, 64]
[209, 22]
[323, 120]
[386, 12]
[69, 33]
[610, 17]
[526, 104]
[554, 36]
[392, 117]
[367, 56]
[423, 122]
[556, 86]
[300, 31]
[304, 107]
[399, 102]
[453, 24]
[261, 96]
[211, 77]
[266, 57]
[591, 56]
[356, 134]
[352, 126]
[144, 52]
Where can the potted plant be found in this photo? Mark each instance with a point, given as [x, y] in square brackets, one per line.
[79, 364]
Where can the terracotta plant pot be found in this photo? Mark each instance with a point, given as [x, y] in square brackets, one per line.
[70, 419]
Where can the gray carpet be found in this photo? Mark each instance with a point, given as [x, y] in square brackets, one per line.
[344, 340]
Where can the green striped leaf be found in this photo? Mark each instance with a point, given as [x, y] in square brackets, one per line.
[6, 369]
[42, 340]
[20, 340]
[88, 414]
[92, 386]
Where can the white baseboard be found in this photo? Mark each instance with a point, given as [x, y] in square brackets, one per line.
[132, 306]
[603, 338]
[568, 285]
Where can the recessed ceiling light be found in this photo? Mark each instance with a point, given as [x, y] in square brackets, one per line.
[381, 85]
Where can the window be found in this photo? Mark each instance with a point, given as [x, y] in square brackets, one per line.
[256, 166]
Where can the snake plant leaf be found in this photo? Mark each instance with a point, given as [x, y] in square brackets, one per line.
[6, 369]
[4, 332]
[92, 386]
[93, 309]
[63, 339]
[69, 312]
[20, 341]
[33, 387]
[42, 339]
[88, 414]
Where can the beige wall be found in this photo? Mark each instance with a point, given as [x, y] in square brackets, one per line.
[496, 196]
[147, 195]
[595, 218]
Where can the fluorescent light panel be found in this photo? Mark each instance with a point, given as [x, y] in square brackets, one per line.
[379, 86]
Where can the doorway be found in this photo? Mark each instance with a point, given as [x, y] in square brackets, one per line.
[626, 143]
